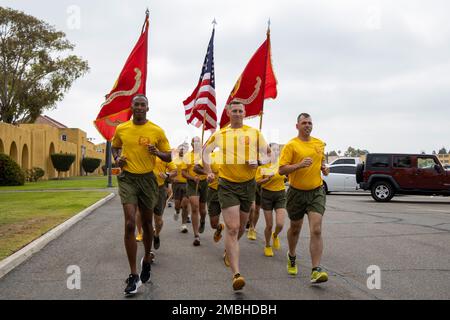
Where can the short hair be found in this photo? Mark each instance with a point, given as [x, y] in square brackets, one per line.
[140, 95]
[235, 102]
[304, 115]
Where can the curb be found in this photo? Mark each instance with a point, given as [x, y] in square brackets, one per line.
[14, 260]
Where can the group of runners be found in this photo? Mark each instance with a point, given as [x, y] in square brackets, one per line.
[233, 175]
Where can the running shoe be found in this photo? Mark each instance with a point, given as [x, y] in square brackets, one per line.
[196, 242]
[218, 233]
[176, 216]
[251, 235]
[202, 227]
[184, 229]
[156, 242]
[268, 252]
[188, 219]
[291, 265]
[145, 271]
[276, 242]
[139, 237]
[318, 275]
[133, 283]
[238, 282]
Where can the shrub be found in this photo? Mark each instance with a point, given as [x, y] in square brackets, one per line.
[34, 174]
[10, 172]
[62, 162]
[105, 169]
[90, 164]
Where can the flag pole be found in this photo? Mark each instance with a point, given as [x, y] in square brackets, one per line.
[265, 70]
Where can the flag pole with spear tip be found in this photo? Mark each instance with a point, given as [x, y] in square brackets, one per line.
[265, 70]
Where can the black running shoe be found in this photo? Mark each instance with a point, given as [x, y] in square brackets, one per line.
[156, 242]
[188, 220]
[133, 283]
[196, 242]
[145, 271]
[202, 227]
[247, 226]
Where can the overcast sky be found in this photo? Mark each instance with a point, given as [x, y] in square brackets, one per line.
[374, 75]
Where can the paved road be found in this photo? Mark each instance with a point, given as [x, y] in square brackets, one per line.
[407, 238]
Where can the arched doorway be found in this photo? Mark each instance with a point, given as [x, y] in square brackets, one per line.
[13, 153]
[50, 169]
[25, 157]
[2, 148]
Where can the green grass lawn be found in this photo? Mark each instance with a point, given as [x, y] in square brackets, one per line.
[74, 182]
[26, 216]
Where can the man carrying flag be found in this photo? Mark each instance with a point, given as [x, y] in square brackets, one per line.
[136, 144]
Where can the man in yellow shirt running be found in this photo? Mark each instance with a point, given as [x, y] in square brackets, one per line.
[240, 148]
[273, 198]
[135, 146]
[179, 188]
[302, 158]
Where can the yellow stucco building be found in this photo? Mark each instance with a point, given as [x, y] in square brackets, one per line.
[31, 145]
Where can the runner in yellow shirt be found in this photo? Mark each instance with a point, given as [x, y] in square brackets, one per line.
[179, 189]
[240, 148]
[303, 159]
[273, 198]
[197, 188]
[135, 146]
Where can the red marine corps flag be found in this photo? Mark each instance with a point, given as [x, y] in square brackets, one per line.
[116, 109]
[255, 84]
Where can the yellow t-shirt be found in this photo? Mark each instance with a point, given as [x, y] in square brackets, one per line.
[162, 167]
[215, 169]
[236, 148]
[133, 139]
[295, 151]
[192, 160]
[276, 183]
[179, 163]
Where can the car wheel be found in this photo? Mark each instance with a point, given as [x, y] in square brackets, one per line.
[325, 188]
[382, 191]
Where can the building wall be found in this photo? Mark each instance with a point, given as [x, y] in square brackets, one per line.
[444, 158]
[30, 145]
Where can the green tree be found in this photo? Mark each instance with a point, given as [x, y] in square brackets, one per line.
[352, 152]
[442, 151]
[333, 154]
[35, 69]
[62, 162]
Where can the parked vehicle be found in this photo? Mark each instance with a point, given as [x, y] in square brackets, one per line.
[386, 174]
[342, 177]
[346, 160]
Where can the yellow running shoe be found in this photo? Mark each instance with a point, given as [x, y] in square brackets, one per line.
[276, 242]
[291, 266]
[218, 233]
[268, 252]
[238, 282]
[225, 259]
[139, 237]
[318, 275]
[251, 234]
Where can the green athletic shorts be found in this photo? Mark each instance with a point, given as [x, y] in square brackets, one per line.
[258, 195]
[300, 202]
[237, 194]
[161, 205]
[213, 203]
[201, 190]
[139, 189]
[272, 200]
[179, 190]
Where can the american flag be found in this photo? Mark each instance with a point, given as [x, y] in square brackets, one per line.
[203, 99]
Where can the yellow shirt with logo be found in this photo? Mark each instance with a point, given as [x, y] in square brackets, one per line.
[276, 183]
[179, 163]
[236, 148]
[192, 160]
[294, 152]
[162, 167]
[133, 139]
